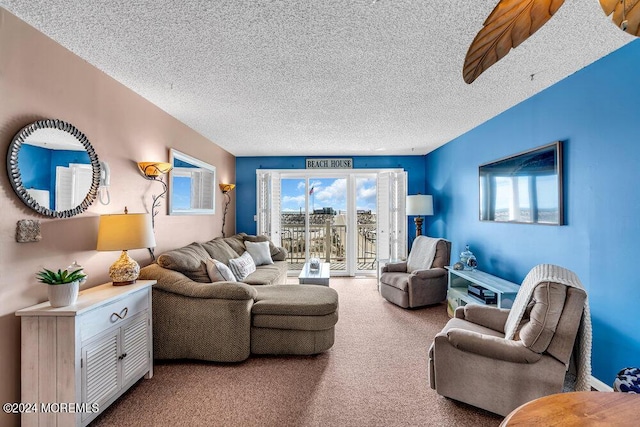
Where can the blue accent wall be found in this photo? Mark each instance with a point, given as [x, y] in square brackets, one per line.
[34, 163]
[246, 179]
[595, 113]
[38, 166]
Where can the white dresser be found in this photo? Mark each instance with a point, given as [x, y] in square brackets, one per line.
[77, 360]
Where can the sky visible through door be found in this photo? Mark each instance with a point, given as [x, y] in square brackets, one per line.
[327, 192]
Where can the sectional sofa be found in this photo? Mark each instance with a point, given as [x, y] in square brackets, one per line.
[226, 321]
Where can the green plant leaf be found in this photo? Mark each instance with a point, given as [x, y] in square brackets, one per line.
[61, 277]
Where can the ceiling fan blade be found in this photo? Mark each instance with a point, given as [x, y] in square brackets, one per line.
[628, 11]
[608, 6]
[510, 23]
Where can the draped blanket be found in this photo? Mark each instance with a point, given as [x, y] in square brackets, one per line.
[422, 253]
[553, 273]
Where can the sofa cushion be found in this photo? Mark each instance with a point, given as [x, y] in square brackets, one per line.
[236, 242]
[396, 280]
[176, 283]
[297, 300]
[547, 302]
[280, 254]
[271, 274]
[220, 250]
[260, 252]
[242, 266]
[188, 260]
[219, 272]
[300, 323]
[277, 254]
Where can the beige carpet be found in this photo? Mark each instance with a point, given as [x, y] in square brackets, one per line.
[375, 375]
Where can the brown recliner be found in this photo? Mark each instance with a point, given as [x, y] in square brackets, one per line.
[409, 287]
[471, 361]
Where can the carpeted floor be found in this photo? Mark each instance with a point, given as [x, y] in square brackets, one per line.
[375, 375]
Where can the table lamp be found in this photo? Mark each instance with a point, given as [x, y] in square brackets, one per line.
[418, 205]
[121, 232]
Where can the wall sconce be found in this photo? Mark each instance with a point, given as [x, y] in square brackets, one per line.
[226, 188]
[154, 172]
[121, 232]
[418, 205]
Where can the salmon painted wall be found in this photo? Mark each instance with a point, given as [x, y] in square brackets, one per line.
[40, 79]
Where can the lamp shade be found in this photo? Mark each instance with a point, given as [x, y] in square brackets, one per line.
[225, 188]
[154, 169]
[420, 204]
[121, 232]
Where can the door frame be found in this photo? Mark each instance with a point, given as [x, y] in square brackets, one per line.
[266, 178]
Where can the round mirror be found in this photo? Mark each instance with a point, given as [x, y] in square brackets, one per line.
[53, 168]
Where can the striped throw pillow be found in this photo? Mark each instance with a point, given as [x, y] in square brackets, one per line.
[242, 266]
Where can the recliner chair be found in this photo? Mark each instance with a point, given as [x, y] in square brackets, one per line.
[471, 361]
[415, 282]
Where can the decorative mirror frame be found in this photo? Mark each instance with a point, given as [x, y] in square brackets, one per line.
[175, 154]
[14, 172]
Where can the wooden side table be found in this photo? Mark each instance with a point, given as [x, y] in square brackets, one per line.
[579, 409]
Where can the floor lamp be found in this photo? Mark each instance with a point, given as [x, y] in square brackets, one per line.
[419, 205]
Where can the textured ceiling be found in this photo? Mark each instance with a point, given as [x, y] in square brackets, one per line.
[332, 77]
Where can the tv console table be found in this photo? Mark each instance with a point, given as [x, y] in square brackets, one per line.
[458, 285]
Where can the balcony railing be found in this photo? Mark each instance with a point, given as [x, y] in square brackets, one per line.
[328, 243]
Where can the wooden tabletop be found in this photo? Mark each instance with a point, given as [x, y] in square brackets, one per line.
[580, 408]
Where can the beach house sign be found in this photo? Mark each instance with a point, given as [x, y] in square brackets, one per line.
[344, 163]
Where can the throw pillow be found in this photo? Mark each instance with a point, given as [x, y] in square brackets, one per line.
[219, 272]
[260, 252]
[242, 266]
[277, 254]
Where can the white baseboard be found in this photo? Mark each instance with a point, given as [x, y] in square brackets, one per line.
[599, 385]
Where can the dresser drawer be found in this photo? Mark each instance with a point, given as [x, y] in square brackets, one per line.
[113, 314]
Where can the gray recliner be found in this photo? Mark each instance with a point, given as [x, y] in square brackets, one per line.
[473, 361]
[408, 286]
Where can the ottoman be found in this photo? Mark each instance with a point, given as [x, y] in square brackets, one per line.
[293, 319]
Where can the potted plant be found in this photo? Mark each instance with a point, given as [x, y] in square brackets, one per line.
[63, 285]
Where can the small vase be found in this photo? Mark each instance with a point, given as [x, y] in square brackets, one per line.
[64, 294]
[468, 259]
[75, 266]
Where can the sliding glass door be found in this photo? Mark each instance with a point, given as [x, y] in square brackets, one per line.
[333, 216]
[313, 220]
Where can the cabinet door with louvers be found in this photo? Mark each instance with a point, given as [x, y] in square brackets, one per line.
[135, 350]
[114, 360]
[100, 368]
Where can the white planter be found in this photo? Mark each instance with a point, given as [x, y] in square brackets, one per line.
[63, 295]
